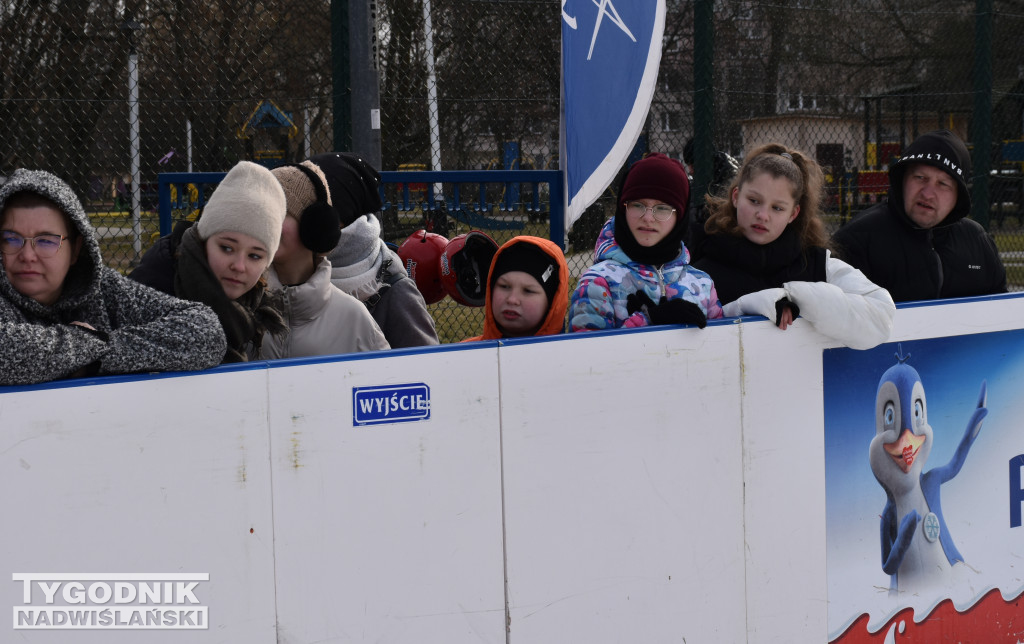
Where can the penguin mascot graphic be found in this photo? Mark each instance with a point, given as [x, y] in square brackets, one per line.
[917, 549]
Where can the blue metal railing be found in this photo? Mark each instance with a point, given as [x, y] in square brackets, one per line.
[454, 184]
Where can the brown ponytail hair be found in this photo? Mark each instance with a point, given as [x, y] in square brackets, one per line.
[778, 161]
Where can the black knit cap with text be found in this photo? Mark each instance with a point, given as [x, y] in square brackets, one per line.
[528, 258]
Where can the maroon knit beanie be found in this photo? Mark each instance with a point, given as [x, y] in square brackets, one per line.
[658, 177]
[654, 177]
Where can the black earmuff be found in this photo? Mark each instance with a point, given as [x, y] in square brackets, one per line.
[320, 224]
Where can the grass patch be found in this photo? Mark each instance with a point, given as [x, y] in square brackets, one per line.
[116, 237]
[1008, 242]
[455, 322]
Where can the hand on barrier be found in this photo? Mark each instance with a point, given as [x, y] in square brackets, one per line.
[785, 312]
[666, 311]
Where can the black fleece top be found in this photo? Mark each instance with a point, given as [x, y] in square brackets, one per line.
[739, 266]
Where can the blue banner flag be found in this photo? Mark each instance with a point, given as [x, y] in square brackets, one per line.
[611, 50]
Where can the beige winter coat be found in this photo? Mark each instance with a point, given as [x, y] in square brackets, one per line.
[323, 320]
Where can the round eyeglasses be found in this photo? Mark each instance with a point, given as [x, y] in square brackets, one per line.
[45, 245]
[661, 212]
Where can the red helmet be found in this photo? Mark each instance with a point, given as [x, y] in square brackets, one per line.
[421, 255]
[465, 263]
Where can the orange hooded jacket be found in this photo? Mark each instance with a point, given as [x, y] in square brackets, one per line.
[554, 321]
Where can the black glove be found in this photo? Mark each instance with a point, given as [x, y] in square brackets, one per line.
[666, 311]
[637, 301]
[781, 305]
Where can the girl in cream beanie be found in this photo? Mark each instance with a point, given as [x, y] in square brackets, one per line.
[249, 200]
[221, 261]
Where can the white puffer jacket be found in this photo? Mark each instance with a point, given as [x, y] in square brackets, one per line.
[847, 306]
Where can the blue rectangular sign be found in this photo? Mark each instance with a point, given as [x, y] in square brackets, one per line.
[390, 404]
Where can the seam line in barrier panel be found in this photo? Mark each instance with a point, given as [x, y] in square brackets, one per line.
[743, 463]
[273, 522]
[504, 534]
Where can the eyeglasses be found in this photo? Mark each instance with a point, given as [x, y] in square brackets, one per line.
[661, 212]
[45, 245]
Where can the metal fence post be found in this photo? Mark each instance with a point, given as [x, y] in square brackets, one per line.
[366, 95]
[703, 96]
[340, 74]
[432, 117]
[981, 121]
[131, 27]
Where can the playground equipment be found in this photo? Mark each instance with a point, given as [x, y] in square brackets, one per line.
[266, 133]
[406, 210]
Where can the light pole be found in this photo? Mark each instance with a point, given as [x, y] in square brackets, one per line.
[435, 128]
[131, 27]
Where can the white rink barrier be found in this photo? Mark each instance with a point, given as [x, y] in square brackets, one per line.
[656, 485]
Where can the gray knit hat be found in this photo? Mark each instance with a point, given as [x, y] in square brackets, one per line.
[249, 200]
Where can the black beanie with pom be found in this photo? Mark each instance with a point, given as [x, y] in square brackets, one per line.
[354, 184]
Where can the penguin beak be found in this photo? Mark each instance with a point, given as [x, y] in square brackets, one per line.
[904, 450]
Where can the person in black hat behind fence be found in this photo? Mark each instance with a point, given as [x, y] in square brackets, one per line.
[362, 265]
[919, 243]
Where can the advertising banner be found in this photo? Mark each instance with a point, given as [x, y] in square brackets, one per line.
[923, 456]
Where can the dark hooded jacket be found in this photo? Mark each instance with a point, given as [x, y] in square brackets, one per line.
[956, 258]
[136, 329]
[554, 321]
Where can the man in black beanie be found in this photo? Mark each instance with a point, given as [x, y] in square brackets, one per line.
[362, 265]
[919, 243]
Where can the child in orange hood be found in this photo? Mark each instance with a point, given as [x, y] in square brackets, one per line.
[527, 290]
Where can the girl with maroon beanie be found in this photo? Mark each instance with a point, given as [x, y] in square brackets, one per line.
[642, 274]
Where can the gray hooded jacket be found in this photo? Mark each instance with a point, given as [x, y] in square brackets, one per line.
[137, 329]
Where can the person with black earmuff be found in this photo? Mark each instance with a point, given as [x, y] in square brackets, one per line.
[322, 319]
[362, 264]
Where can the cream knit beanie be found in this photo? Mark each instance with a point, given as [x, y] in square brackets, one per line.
[249, 200]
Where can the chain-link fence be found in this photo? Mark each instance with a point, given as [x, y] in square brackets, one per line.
[110, 93]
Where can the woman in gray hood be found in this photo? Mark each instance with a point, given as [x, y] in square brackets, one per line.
[63, 313]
